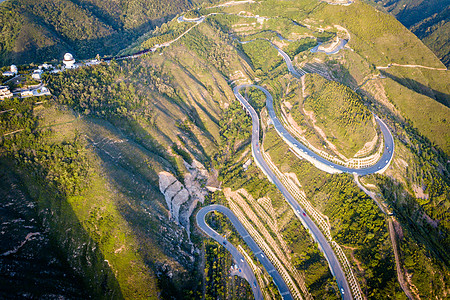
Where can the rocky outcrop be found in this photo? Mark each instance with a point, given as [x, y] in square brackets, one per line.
[182, 198]
[174, 192]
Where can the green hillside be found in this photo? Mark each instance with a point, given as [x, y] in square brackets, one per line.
[340, 113]
[37, 31]
[92, 156]
[429, 20]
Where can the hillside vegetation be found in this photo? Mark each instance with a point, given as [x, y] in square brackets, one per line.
[37, 31]
[340, 113]
[91, 156]
[429, 20]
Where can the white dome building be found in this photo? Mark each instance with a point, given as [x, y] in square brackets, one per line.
[69, 61]
[14, 69]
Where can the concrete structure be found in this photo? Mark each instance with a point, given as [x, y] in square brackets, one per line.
[69, 61]
[45, 66]
[26, 94]
[5, 93]
[247, 164]
[37, 74]
[8, 73]
[92, 62]
[41, 91]
[13, 69]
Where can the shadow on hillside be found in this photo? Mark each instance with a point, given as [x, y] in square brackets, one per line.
[68, 239]
[420, 88]
[144, 208]
[81, 49]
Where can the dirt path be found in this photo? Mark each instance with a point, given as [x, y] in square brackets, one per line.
[400, 273]
[392, 234]
[411, 66]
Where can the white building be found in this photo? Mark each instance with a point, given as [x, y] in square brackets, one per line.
[45, 66]
[5, 92]
[69, 61]
[92, 62]
[41, 91]
[8, 73]
[37, 74]
[27, 93]
[12, 72]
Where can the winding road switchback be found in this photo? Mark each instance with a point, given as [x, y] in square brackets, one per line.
[245, 270]
[318, 236]
[302, 150]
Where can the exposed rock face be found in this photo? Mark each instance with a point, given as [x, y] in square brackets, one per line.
[182, 199]
[174, 192]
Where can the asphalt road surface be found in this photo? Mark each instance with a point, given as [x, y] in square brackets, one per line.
[301, 214]
[244, 269]
[321, 162]
[310, 155]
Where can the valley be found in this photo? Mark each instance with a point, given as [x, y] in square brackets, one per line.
[241, 108]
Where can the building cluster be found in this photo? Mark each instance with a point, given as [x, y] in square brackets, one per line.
[68, 62]
[5, 93]
[12, 72]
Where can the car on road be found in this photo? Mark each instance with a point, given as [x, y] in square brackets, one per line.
[262, 255]
[304, 214]
[342, 291]
[242, 260]
[224, 242]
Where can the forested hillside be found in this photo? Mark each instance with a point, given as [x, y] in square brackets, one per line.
[428, 19]
[37, 31]
[113, 166]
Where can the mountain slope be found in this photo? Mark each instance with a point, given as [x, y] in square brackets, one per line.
[118, 159]
[36, 31]
[429, 20]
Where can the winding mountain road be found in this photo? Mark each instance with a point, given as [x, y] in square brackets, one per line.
[244, 268]
[318, 161]
[312, 157]
[301, 214]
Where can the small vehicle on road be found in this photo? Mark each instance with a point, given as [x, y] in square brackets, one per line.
[304, 214]
[262, 255]
[224, 242]
[342, 291]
